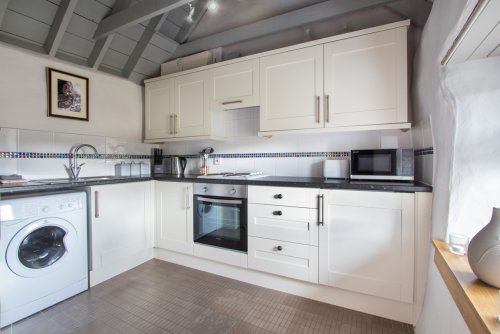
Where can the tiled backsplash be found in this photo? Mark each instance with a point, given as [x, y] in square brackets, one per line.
[43, 154]
[284, 155]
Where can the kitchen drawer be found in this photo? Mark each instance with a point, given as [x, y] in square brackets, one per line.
[299, 225]
[293, 260]
[300, 197]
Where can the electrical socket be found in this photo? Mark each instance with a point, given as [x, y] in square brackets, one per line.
[217, 161]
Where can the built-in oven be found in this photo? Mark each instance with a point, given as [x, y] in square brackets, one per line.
[220, 215]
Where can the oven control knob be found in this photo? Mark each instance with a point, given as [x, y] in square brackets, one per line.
[205, 189]
[233, 191]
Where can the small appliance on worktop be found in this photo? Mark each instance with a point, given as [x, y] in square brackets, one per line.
[384, 164]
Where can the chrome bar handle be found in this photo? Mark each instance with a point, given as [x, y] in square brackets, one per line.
[175, 124]
[221, 201]
[321, 212]
[317, 109]
[171, 124]
[96, 203]
[327, 108]
[231, 102]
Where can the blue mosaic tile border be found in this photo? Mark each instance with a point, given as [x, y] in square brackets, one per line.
[274, 155]
[424, 151]
[38, 155]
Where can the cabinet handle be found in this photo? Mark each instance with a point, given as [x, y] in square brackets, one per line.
[278, 196]
[279, 248]
[187, 198]
[277, 213]
[171, 117]
[327, 108]
[175, 124]
[317, 109]
[96, 202]
[321, 212]
[231, 102]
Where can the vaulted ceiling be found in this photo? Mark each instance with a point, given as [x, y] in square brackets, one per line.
[131, 38]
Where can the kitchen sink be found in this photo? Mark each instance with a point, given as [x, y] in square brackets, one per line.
[79, 180]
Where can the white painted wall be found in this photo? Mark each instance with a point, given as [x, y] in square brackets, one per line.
[116, 105]
[456, 104]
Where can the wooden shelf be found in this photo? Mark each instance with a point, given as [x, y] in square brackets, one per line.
[477, 301]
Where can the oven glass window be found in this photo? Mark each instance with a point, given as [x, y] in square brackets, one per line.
[220, 222]
[42, 247]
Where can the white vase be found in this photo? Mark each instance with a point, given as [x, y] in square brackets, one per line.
[484, 251]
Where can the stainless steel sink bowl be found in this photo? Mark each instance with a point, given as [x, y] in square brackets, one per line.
[80, 180]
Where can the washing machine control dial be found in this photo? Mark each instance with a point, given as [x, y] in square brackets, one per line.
[45, 209]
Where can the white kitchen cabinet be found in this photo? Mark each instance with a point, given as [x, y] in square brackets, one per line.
[177, 108]
[356, 82]
[234, 86]
[291, 87]
[366, 242]
[174, 216]
[159, 106]
[366, 79]
[121, 228]
[283, 231]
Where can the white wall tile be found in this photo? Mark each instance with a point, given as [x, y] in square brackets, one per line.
[244, 165]
[310, 167]
[36, 141]
[8, 166]
[42, 168]
[64, 142]
[286, 166]
[265, 165]
[8, 140]
[98, 142]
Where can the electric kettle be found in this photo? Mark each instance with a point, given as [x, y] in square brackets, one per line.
[178, 165]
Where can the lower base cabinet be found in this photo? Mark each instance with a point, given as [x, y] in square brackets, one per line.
[283, 258]
[366, 243]
[121, 228]
[174, 216]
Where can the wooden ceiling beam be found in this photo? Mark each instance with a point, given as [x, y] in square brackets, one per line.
[136, 14]
[153, 26]
[321, 11]
[3, 9]
[59, 26]
[187, 29]
[102, 44]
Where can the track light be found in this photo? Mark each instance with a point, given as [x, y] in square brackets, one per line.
[212, 5]
[189, 18]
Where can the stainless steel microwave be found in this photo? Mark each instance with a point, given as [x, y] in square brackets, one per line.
[384, 164]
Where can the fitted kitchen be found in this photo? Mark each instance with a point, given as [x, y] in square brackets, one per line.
[229, 178]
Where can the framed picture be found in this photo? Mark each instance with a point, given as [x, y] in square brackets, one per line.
[68, 95]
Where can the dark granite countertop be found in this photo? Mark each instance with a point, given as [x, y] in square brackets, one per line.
[308, 182]
[36, 186]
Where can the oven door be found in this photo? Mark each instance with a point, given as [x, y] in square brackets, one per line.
[220, 221]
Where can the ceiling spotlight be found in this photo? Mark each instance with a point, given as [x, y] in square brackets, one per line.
[212, 5]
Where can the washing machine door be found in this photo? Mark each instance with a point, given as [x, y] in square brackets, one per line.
[41, 247]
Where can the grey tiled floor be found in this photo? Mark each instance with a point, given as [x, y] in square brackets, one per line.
[159, 297]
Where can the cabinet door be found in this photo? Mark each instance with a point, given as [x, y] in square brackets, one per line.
[235, 86]
[159, 106]
[291, 86]
[174, 216]
[366, 79]
[192, 117]
[121, 228]
[367, 243]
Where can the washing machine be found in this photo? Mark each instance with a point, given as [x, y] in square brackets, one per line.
[43, 252]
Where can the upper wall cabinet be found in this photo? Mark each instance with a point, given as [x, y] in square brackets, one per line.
[366, 80]
[235, 86]
[178, 109]
[363, 83]
[291, 86]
